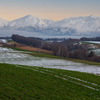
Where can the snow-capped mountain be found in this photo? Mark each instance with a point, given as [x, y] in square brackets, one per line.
[29, 21]
[82, 25]
[3, 22]
[88, 25]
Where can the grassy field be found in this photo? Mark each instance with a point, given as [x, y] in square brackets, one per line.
[87, 42]
[35, 83]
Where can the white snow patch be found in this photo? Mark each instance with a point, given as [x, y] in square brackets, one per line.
[96, 42]
[13, 57]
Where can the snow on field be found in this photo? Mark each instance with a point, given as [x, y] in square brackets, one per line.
[16, 57]
[97, 51]
[96, 42]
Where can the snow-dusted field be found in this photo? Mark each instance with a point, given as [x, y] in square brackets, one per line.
[16, 57]
[97, 51]
[96, 42]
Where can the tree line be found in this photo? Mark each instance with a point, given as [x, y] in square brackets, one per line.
[90, 39]
[67, 48]
[26, 41]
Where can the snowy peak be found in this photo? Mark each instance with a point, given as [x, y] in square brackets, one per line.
[29, 21]
[28, 16]
[81, 24]
[69, 26]
[3, 22]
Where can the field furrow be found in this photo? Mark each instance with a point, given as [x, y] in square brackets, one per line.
[74, 80]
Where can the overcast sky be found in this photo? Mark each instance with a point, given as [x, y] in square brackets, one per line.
[48, 9]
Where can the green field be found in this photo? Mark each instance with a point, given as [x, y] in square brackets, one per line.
[35, 83]
[87, 42]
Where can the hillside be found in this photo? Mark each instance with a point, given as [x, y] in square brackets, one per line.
[3, 23]
[33, 83]
[29, 75]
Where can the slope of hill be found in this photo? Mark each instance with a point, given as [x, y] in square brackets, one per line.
[33, 83]
[3, 22]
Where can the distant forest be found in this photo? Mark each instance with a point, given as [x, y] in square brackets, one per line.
[70, 48]
[90, 39]
[5, 37]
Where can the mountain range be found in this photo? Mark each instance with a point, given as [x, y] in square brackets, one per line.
[73, 26]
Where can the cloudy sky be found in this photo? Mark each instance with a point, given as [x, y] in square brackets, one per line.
[48, 9]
